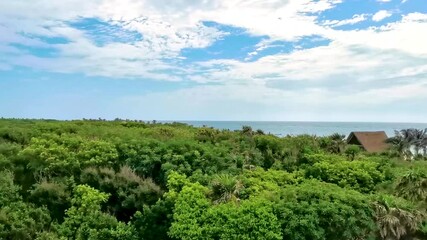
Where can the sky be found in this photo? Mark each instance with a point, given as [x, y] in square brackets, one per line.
[254, 60]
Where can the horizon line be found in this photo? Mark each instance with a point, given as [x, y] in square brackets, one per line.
[171, 121]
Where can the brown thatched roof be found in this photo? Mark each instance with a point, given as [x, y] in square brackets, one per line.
[370, 141]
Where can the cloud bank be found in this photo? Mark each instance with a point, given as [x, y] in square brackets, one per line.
[325, 62]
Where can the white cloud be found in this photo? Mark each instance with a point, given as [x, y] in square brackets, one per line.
[377, 65]
[406, 36]
[167, 28]
[166, 18]
[370, 54]
[355, 19]
[381, 15]
[343, 72]
[384, 1]
[351, 53]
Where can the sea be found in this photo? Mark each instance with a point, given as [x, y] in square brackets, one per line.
[311, 128]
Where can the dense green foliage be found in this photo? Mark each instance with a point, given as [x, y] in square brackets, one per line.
[135, 180]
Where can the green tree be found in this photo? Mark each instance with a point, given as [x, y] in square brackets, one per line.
[413, 185]
[128, 192]
[334, 143]
[65, 155]
[315, 210]
[85, 220]
[402, 142]
[155, 221]
[9, 191]
[190, 206]
[19, 220]
[271, 148]
[247, 130]
[352, 151]
[360, 174]
[419, 141]
[55, 196]
[249, 219]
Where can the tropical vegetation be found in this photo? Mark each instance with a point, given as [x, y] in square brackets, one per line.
[123, 179]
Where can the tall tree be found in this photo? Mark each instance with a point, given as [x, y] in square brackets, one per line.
[419, 138]
[402, 142]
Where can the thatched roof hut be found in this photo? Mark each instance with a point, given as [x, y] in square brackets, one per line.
[372, 142]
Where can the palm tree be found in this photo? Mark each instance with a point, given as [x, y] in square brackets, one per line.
[413, 186]
[423, 143]
[260, 132]
[402, 142]
[395, 223]
[419, 137]
[226, 188]
[247, 130]
[338, 143]
[410, 141]
[424, 147]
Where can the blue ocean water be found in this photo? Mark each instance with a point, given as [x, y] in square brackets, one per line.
[312, 128]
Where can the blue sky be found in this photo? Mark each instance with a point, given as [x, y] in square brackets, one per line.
[273, 60]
